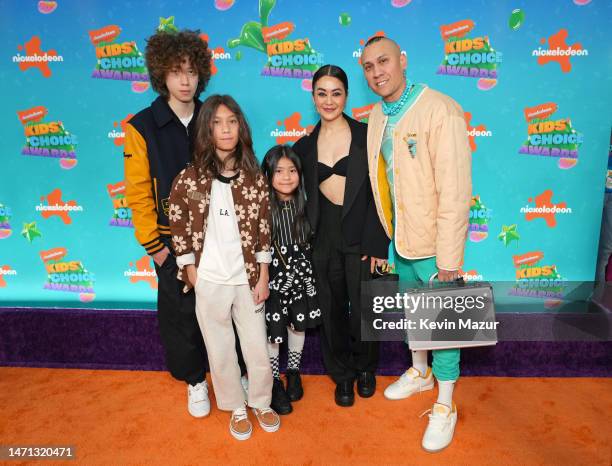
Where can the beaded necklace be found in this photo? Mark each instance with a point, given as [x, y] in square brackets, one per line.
[393, 108]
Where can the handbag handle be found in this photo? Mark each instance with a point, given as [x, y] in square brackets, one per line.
[459, 281]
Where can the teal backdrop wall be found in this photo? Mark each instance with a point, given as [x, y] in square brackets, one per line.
[533, 77]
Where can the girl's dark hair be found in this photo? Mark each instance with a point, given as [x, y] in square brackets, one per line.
[268, 166]
[166, 50]
[333, 71]
[205, 158]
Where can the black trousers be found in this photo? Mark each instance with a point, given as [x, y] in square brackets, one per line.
[339, 272]
[185, 354]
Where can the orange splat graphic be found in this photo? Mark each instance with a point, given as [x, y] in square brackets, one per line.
[144, 265]
[558, 41]
[54, 254]
[472, 138]
[55, 198]
[293, 123]
[213, 67]
[529, 258]
[32, 48]
[2, 280]
[123, 123]
[362, 113]
[545, 200]
[469, 273]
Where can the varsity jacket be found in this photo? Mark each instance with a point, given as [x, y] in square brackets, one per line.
[189, 206]
[157, 147]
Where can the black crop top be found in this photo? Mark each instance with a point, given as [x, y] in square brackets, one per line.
[340, 168]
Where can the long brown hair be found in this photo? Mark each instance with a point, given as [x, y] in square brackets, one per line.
[205, 158]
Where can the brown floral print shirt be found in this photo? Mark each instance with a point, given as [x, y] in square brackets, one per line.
[188, 216]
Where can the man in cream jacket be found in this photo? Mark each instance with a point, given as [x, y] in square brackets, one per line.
[420, 170]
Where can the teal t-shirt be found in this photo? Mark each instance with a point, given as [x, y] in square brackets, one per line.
[387, 140]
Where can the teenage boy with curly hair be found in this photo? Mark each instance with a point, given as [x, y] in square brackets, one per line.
[158, 145]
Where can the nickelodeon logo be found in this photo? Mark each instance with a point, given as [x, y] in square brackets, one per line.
[293, 129]
[221, 55]
[357, 53]
[559, 51]
[55, 206]
[118, 137]
[475, 131]
[35, 57]
[545, 208]
[143, 273]
[6, 271]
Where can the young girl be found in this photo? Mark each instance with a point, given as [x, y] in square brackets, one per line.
[218, 213]
[292, 306]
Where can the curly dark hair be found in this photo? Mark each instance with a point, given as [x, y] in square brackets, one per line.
[166, 50]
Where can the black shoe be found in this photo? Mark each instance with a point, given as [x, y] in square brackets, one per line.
[366, 384]
[294, 385]
[280, 401]
[345, 396]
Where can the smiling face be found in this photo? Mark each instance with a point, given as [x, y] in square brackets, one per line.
[182, 82]
[286, 179]
[329, 97]
[384, 66]
[225, 128]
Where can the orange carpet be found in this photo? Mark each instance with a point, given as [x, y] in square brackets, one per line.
[121, 417]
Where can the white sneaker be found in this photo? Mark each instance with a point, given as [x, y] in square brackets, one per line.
[409, 383]
[441, 427]
[198, 403]
[245, 386]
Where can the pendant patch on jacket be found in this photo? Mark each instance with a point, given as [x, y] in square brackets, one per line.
[411, 141]
[166, 205]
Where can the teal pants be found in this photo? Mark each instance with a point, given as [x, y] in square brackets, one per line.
[445, 364]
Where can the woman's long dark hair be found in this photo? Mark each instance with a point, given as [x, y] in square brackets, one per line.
[269, 165]
[205, 158]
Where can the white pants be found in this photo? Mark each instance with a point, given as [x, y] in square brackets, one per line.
[216, 307]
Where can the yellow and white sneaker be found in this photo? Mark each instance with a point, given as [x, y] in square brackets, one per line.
[409, 383]
[441, 427]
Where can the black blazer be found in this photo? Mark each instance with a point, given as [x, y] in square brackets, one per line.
[358, 200]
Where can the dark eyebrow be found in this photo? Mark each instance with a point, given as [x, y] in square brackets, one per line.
[369, 62]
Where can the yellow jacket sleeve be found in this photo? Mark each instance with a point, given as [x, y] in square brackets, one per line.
[140, 193]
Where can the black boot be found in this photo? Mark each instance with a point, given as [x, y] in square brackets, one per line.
[295, 391]
[366, 384]
[280, 401]
[345, 396]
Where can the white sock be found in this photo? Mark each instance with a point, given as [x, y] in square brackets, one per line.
[419, 361]
[445, 392]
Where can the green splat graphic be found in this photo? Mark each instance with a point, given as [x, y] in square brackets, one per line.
[344, 19]
[509, 234]
[30, 231]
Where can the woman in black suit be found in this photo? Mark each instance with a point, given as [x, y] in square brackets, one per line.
[349, 240]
